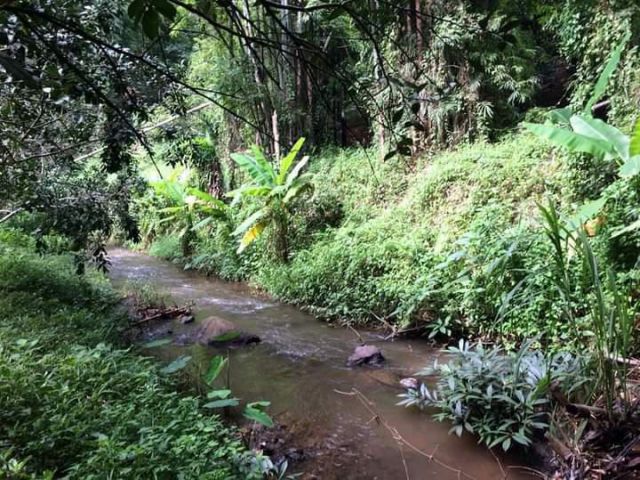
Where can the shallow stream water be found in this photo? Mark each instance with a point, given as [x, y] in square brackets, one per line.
[299, 366]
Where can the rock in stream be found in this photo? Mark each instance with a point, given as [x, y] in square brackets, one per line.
[220, 332]
[365, 355]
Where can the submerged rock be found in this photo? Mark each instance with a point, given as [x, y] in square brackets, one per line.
[365, 355]
[218, 331]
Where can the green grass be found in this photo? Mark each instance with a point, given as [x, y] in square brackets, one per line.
[75, 403]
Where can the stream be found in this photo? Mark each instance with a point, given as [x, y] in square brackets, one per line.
[300, 368]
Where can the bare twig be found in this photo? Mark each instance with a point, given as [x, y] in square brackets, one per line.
[368, 404]
[10, 214]
[172, 312]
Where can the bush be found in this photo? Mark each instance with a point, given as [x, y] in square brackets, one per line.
[166, 247]
[72, 404]
[501, 397]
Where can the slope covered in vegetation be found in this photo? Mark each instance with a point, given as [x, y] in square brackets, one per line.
[439, 244]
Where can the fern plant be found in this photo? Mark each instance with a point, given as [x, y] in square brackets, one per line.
[275, 187]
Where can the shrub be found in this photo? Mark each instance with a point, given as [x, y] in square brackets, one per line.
[166, 247]
[72, 404]
[501, 397]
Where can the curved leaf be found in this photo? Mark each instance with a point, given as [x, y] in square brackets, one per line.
[251, 235]
[287, 161]
[607, 72]
[255, 170]
[207, 198]
[296, 190]
[225, 402]
[296, 170]
[215, 368]
[249, 221]
[178, 364]
[570, 140]
[599, 130]
[631, 167]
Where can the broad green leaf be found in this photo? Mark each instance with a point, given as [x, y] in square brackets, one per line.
[178, 364]
[170, 210]
[599, 130]
[166, 8]
[296, 170]
[208, 199]
[215, 367]
[253, 412]
[203, 223]
[252, 167]
[226, 402]
[222, 393]
[634, 147]
[560, 116]
[151, 23]
[252, 191]
[296, 190]
[631, 167]
[287, 161]
[570, 140]
[136, 9]
[264, 163]
[607, 72]
[158, 343]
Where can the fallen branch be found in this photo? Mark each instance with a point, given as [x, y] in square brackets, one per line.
[10, 214]
[356, 333]
[170, 313]
[368, 404]
[625, 361]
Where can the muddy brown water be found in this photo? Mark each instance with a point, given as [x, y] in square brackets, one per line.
[300, 368]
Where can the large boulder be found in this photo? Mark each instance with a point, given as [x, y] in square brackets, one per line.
[365, 355]
[218, 331]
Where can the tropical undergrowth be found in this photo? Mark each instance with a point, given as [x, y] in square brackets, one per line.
[450, 245]
[75, 403]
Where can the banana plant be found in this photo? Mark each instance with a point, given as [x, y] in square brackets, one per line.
[582, 133]
[275, 187]
[189, 210]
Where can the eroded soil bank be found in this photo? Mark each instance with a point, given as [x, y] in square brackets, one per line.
[300, 366]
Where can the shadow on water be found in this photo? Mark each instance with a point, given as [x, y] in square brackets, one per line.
[300, 367]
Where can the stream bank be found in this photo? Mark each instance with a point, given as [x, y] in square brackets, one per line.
[299, 366]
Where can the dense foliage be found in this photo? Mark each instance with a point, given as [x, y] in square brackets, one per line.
[418, 206]
[73, 403]
[504, 398]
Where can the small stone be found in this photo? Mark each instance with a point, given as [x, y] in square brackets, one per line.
[365, 355]
[409, 383]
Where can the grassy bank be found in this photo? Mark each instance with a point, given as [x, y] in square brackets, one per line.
[75, 404]
[451, 245]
